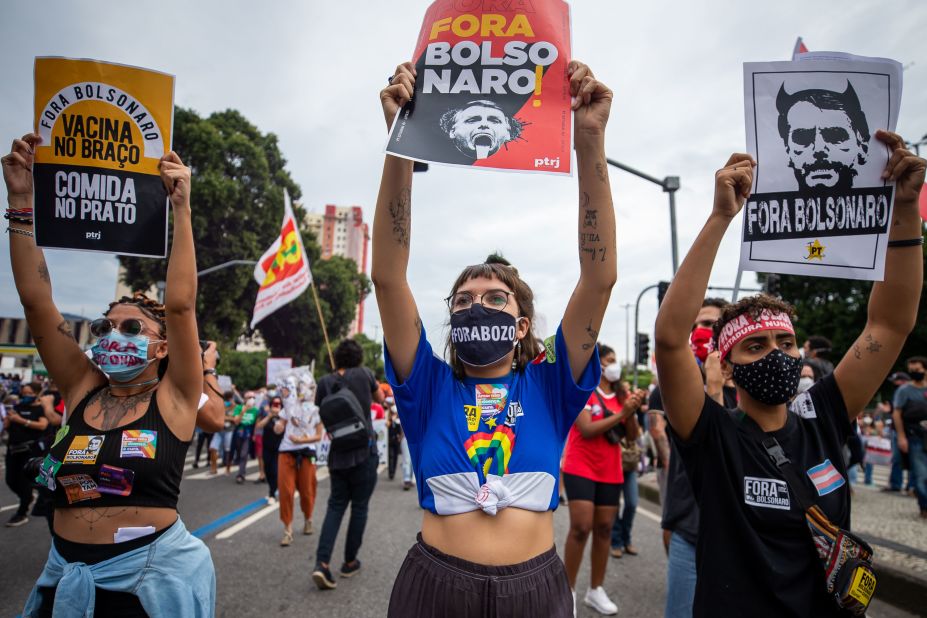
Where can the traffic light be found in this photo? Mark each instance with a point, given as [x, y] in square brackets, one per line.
[642, 349]
[662, 287]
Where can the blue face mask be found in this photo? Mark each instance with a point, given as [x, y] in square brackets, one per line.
[122, 357]
[27, 399]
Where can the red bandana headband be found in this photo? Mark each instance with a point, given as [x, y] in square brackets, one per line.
[744, 326]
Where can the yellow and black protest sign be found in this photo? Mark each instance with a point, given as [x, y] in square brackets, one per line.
[104, 128]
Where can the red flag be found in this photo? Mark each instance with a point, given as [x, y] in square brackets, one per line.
[799, 48]
[283, 270]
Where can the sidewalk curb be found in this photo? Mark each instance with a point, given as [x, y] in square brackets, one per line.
[895, 587]
[900, 589]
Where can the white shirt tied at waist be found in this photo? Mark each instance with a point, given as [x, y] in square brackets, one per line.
[492, 496]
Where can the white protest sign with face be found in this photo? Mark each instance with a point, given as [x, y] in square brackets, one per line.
[819, 206]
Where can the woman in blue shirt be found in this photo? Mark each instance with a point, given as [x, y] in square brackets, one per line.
[486, 429]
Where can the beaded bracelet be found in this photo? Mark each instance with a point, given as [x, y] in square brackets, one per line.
[16, 219]
[16, 230]
[908, 242]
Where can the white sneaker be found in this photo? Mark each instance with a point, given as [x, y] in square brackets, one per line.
[271, 501]
[599, 601]
[574, 603]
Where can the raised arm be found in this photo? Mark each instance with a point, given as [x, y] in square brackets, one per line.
[66, 363]
[392, 234]
[211, 417]
[893, 302]
[680, 379]
[598, 254]
[185, 371]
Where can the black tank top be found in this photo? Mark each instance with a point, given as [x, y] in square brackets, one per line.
[139, 464]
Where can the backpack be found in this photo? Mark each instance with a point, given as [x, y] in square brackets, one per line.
[343, 418]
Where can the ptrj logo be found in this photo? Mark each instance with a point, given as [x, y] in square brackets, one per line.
[547, 162]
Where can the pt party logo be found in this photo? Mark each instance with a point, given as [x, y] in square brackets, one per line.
[104, 128]
[491, 87]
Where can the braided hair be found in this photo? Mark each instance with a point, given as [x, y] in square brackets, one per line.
[149, 306]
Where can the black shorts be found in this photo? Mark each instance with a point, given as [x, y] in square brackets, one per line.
[431, 584]
[600, 494]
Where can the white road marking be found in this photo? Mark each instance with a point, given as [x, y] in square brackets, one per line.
[206, 475]
[648, 514]
[9, 507]
[252, 519]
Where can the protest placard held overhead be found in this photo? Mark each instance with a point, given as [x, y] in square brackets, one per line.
[819, 205]
[104, 128]
[491, 88]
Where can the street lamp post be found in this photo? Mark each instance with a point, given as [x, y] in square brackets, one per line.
[637, 307]
[669, 184]
[213, 269]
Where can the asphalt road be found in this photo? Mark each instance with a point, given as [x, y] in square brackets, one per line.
[258, 578]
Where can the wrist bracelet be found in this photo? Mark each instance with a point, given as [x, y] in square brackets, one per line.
[210, 372]
[16, 230]
[909, 242]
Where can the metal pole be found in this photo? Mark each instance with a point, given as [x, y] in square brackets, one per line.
[212, 269]
[672, 205]
[637, 307]
[627, 332]
[740, 274]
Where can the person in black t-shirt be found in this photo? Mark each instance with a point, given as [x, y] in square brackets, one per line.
[353, 473]
[755, 555]
[26, 426]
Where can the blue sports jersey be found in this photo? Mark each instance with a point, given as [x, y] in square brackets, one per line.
[487, 444]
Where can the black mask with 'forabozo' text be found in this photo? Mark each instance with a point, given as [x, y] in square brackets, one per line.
[481, 337]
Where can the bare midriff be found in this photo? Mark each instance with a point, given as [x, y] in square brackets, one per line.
[509, 537]
[96, 526]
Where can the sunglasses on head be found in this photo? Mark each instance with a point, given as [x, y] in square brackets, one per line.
[101, 327]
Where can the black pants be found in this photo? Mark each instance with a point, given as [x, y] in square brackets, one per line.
[393, 457]
[354, 485]
[201, 439]
[16, 479]
[270, 469]
[433, 584]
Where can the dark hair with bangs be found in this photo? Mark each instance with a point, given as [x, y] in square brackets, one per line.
[752, 306]
[497, 267]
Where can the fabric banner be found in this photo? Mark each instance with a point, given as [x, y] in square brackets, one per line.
[819, 205]
[491, 88]
[104, 128]
[283, 271]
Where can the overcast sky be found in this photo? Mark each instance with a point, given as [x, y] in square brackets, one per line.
[310, 72]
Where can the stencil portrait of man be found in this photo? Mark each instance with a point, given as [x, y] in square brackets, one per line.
[826, 136]
[479, 129]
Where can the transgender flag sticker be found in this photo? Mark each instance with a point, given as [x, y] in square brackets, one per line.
[826, 478]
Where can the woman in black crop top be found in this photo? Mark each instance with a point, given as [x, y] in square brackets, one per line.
[115, 467]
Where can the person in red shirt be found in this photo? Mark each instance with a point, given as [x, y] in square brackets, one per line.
[592, 476]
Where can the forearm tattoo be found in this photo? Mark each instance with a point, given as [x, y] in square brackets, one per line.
[400, 211]
[590, 244]
[600, 172]
[43, 272]
[872, 345]
[65, 329]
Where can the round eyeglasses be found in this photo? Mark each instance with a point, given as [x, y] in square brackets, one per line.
[493, 301]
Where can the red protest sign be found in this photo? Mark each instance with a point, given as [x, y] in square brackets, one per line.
[491, 88]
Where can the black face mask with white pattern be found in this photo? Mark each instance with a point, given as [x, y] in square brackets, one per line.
[772, 380]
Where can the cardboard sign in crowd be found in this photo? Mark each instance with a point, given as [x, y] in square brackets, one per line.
[491, 88]
[104, 128]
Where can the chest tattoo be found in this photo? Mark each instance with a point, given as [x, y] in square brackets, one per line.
[114, 409]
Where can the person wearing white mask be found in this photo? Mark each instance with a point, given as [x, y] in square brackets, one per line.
[593, 476]
[807, 377]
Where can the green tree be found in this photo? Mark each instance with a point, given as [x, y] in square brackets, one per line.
[294, 330]
[373, 355]
[247, 369]
[238, 184]
[837, 309]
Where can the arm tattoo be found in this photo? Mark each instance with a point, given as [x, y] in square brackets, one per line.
[399, 210]
[600, 172]
[873, 345]
[591, 219]
[856, 352]
[584, 200]
[114, 409]
[593, 334]
[43, 272]
[65, 329]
